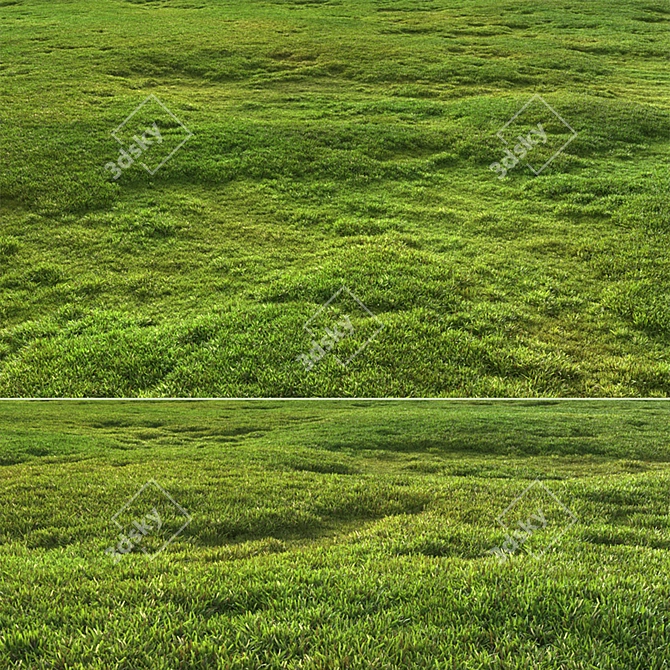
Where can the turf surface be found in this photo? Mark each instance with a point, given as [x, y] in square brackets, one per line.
[335, 535]
[335, 143]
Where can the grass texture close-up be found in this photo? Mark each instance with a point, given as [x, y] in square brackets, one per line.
[328, 535]
[186, 184]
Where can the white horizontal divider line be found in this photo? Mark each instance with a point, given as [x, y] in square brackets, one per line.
[337, 398]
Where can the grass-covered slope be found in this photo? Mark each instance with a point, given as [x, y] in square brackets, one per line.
[328, 536]
[334, 143]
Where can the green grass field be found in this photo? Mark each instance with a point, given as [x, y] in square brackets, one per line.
[331, 535]
[335, 143]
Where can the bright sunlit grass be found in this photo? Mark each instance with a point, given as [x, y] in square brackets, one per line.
[334, 535]
[335, 143]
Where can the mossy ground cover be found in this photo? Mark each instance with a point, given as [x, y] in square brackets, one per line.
[335, 143]
[334, 535]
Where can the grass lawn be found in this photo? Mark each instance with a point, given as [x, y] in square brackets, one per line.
[334, 143]
[330, 535]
